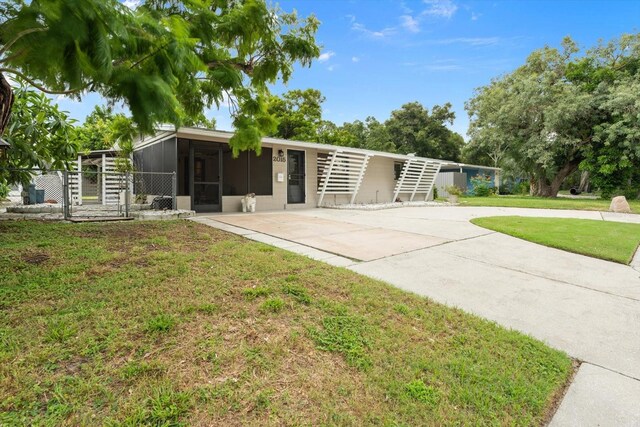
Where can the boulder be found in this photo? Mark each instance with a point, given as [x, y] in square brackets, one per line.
[620, 204]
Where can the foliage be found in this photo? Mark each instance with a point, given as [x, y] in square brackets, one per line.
[454, 190]
[298, 113]
[4, 191]
[102, 128]
[613, 241]
[41, 137]
[481, 186]
[560, 111]
[165, 61]
[415, 129]
[411, 129]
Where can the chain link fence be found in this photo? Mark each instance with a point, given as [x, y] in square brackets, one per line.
[89, 194]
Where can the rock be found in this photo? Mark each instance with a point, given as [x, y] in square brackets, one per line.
[620, 204]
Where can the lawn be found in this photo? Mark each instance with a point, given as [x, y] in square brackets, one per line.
[613, 241]
[544, 203]
[175, 323]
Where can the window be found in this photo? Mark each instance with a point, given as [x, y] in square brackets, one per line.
[397, 169]
[247, 173]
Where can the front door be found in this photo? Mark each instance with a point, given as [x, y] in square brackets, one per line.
[296, 176]
[205, 162]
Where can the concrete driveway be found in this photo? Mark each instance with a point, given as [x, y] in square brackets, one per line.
[584, 306]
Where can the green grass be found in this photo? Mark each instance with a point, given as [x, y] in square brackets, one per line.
[544, 203]
[612, 241]
[175, 323]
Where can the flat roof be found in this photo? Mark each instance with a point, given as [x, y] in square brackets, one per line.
[165, 132]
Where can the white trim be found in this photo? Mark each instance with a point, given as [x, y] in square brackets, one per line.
[159, 137]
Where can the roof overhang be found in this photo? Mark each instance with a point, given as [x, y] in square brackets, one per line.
[167, 131]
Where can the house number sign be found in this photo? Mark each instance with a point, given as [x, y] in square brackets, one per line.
[281, 159]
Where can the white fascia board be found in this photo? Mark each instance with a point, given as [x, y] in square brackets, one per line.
[225, 136]
[158, 137]
[466, 165]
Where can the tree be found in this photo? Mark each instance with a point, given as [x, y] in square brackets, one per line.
[165, 60]
[41, 136]
[298, 114]
[370, 135]
[415, 129]
[559, 112]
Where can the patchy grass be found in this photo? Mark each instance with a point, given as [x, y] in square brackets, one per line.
[612, 241]
[545, 203]
[175, 323]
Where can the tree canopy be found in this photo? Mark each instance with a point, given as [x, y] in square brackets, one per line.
[410, 129]
[165, 60]
[562, 111]
[41, 135]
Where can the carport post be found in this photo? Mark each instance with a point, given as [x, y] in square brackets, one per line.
[65, 194]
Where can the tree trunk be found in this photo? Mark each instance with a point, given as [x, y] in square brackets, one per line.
[545, 188]
[6, 102]
[584, 182]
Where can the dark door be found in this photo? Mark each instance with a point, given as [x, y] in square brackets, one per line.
[205, 165]
[296, 176]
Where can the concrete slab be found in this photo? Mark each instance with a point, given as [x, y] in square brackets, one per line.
[578, 270]
[586, 324]
[370, 244]
[599, 397]
[356, 241]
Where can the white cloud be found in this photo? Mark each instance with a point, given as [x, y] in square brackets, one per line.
[355, 59]
[330, 68]
[326, 56]
[440, 8]
[475, 16]
[385, 32]
[410, 23]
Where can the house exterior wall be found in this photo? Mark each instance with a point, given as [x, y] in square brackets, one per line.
[377, 186]
[445, 179]
[278, 200]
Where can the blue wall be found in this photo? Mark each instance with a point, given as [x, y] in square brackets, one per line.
[471, 172]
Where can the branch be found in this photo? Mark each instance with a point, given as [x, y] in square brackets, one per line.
[246, 67]
[39, 87]
[19, 36]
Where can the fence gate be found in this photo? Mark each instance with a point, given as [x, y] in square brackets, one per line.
[114, 194]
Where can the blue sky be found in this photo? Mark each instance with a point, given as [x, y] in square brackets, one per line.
[378, 55]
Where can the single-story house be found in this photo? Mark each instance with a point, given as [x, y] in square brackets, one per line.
[286, 175]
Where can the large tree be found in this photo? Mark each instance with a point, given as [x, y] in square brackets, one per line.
[165, 60]
[42, 137]
[298, 114]
[561, 111]
[415, 129]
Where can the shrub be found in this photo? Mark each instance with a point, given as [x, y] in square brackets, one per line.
[523, 188]
[454, 190]
[481, 186]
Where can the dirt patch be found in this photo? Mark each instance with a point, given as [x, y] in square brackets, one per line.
[35, 258]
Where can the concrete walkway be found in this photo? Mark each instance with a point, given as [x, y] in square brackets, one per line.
[584, 306]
